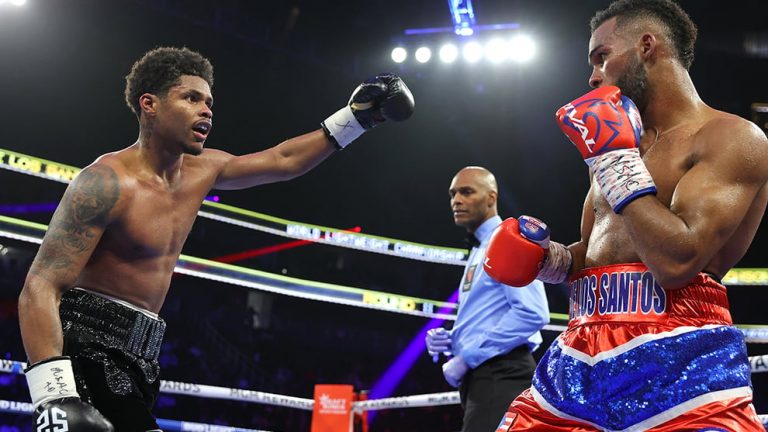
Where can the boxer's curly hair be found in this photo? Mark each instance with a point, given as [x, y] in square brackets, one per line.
[681, 30]
[160, 69]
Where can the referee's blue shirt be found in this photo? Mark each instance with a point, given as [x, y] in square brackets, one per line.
[494, 318]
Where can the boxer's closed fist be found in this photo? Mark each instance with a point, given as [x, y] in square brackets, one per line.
[378, 99]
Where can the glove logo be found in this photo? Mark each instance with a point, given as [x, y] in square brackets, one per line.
[580, 124]
[52, 420]
[344, 125]
[487, 263]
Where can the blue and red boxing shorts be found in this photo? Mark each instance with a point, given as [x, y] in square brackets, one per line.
[637, 357]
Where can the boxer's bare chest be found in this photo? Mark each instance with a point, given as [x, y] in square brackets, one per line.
[668, 156]
[157, 220]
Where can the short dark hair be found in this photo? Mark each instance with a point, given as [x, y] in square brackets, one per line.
[160, 69]
[681, 29]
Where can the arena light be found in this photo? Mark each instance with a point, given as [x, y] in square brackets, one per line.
[462, 31]
[521, 48]
[465, 31]
[497, 50]
[448, 53]
[423, 54]
[463, 16]
[399, 55]
[18, 2]
[472, 52]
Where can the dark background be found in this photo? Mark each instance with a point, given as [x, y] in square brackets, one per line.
[283, 66]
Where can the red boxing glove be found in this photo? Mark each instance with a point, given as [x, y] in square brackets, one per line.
[601, 121]
[513, 258]
[606, 128]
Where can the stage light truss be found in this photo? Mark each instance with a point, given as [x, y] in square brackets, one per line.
[463, 17]
[497, 50]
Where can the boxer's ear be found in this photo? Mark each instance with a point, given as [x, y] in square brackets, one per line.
[148, 104]
[648, 45]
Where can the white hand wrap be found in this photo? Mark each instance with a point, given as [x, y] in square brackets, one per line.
[622, 177]
[342, 127]
[51, 379]
[557, 264]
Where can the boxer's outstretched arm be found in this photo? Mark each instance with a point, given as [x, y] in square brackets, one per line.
[285, 161]
[381, 98]
[75, 229]
[708, 206]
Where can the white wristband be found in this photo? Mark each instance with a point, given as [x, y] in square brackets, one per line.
[343, 127]
[557, 264]
[622, 177]
[51, 379]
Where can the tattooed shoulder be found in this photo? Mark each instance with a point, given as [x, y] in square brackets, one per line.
[92, 195]
[79, 220]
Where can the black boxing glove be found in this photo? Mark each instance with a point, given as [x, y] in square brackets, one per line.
[57, 404]
[381, 98]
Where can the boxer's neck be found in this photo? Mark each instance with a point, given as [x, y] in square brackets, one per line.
[660, 133]
[672, 97]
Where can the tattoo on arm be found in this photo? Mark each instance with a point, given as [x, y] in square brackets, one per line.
[82, 212]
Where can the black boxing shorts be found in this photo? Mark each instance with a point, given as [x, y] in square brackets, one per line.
[114, 349]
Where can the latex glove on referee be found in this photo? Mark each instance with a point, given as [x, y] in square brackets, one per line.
[454, 370]
[438, 341]
[57, 404]
[606, 128]
[382, 98]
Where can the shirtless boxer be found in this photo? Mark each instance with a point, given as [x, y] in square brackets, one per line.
[678, 190]
[88, 310]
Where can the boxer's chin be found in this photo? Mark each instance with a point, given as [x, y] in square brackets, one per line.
[194, 149]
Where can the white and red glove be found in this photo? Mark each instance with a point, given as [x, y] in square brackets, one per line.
[520, 251]
[606, 128]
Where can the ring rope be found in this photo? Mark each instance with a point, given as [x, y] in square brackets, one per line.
[32, 232]
[414, 401]
[201, 390]
[252, 396]
[62, 173]
[343, 238]
[185, 426]
[312, 290]
[14, 407]
[759, 364]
